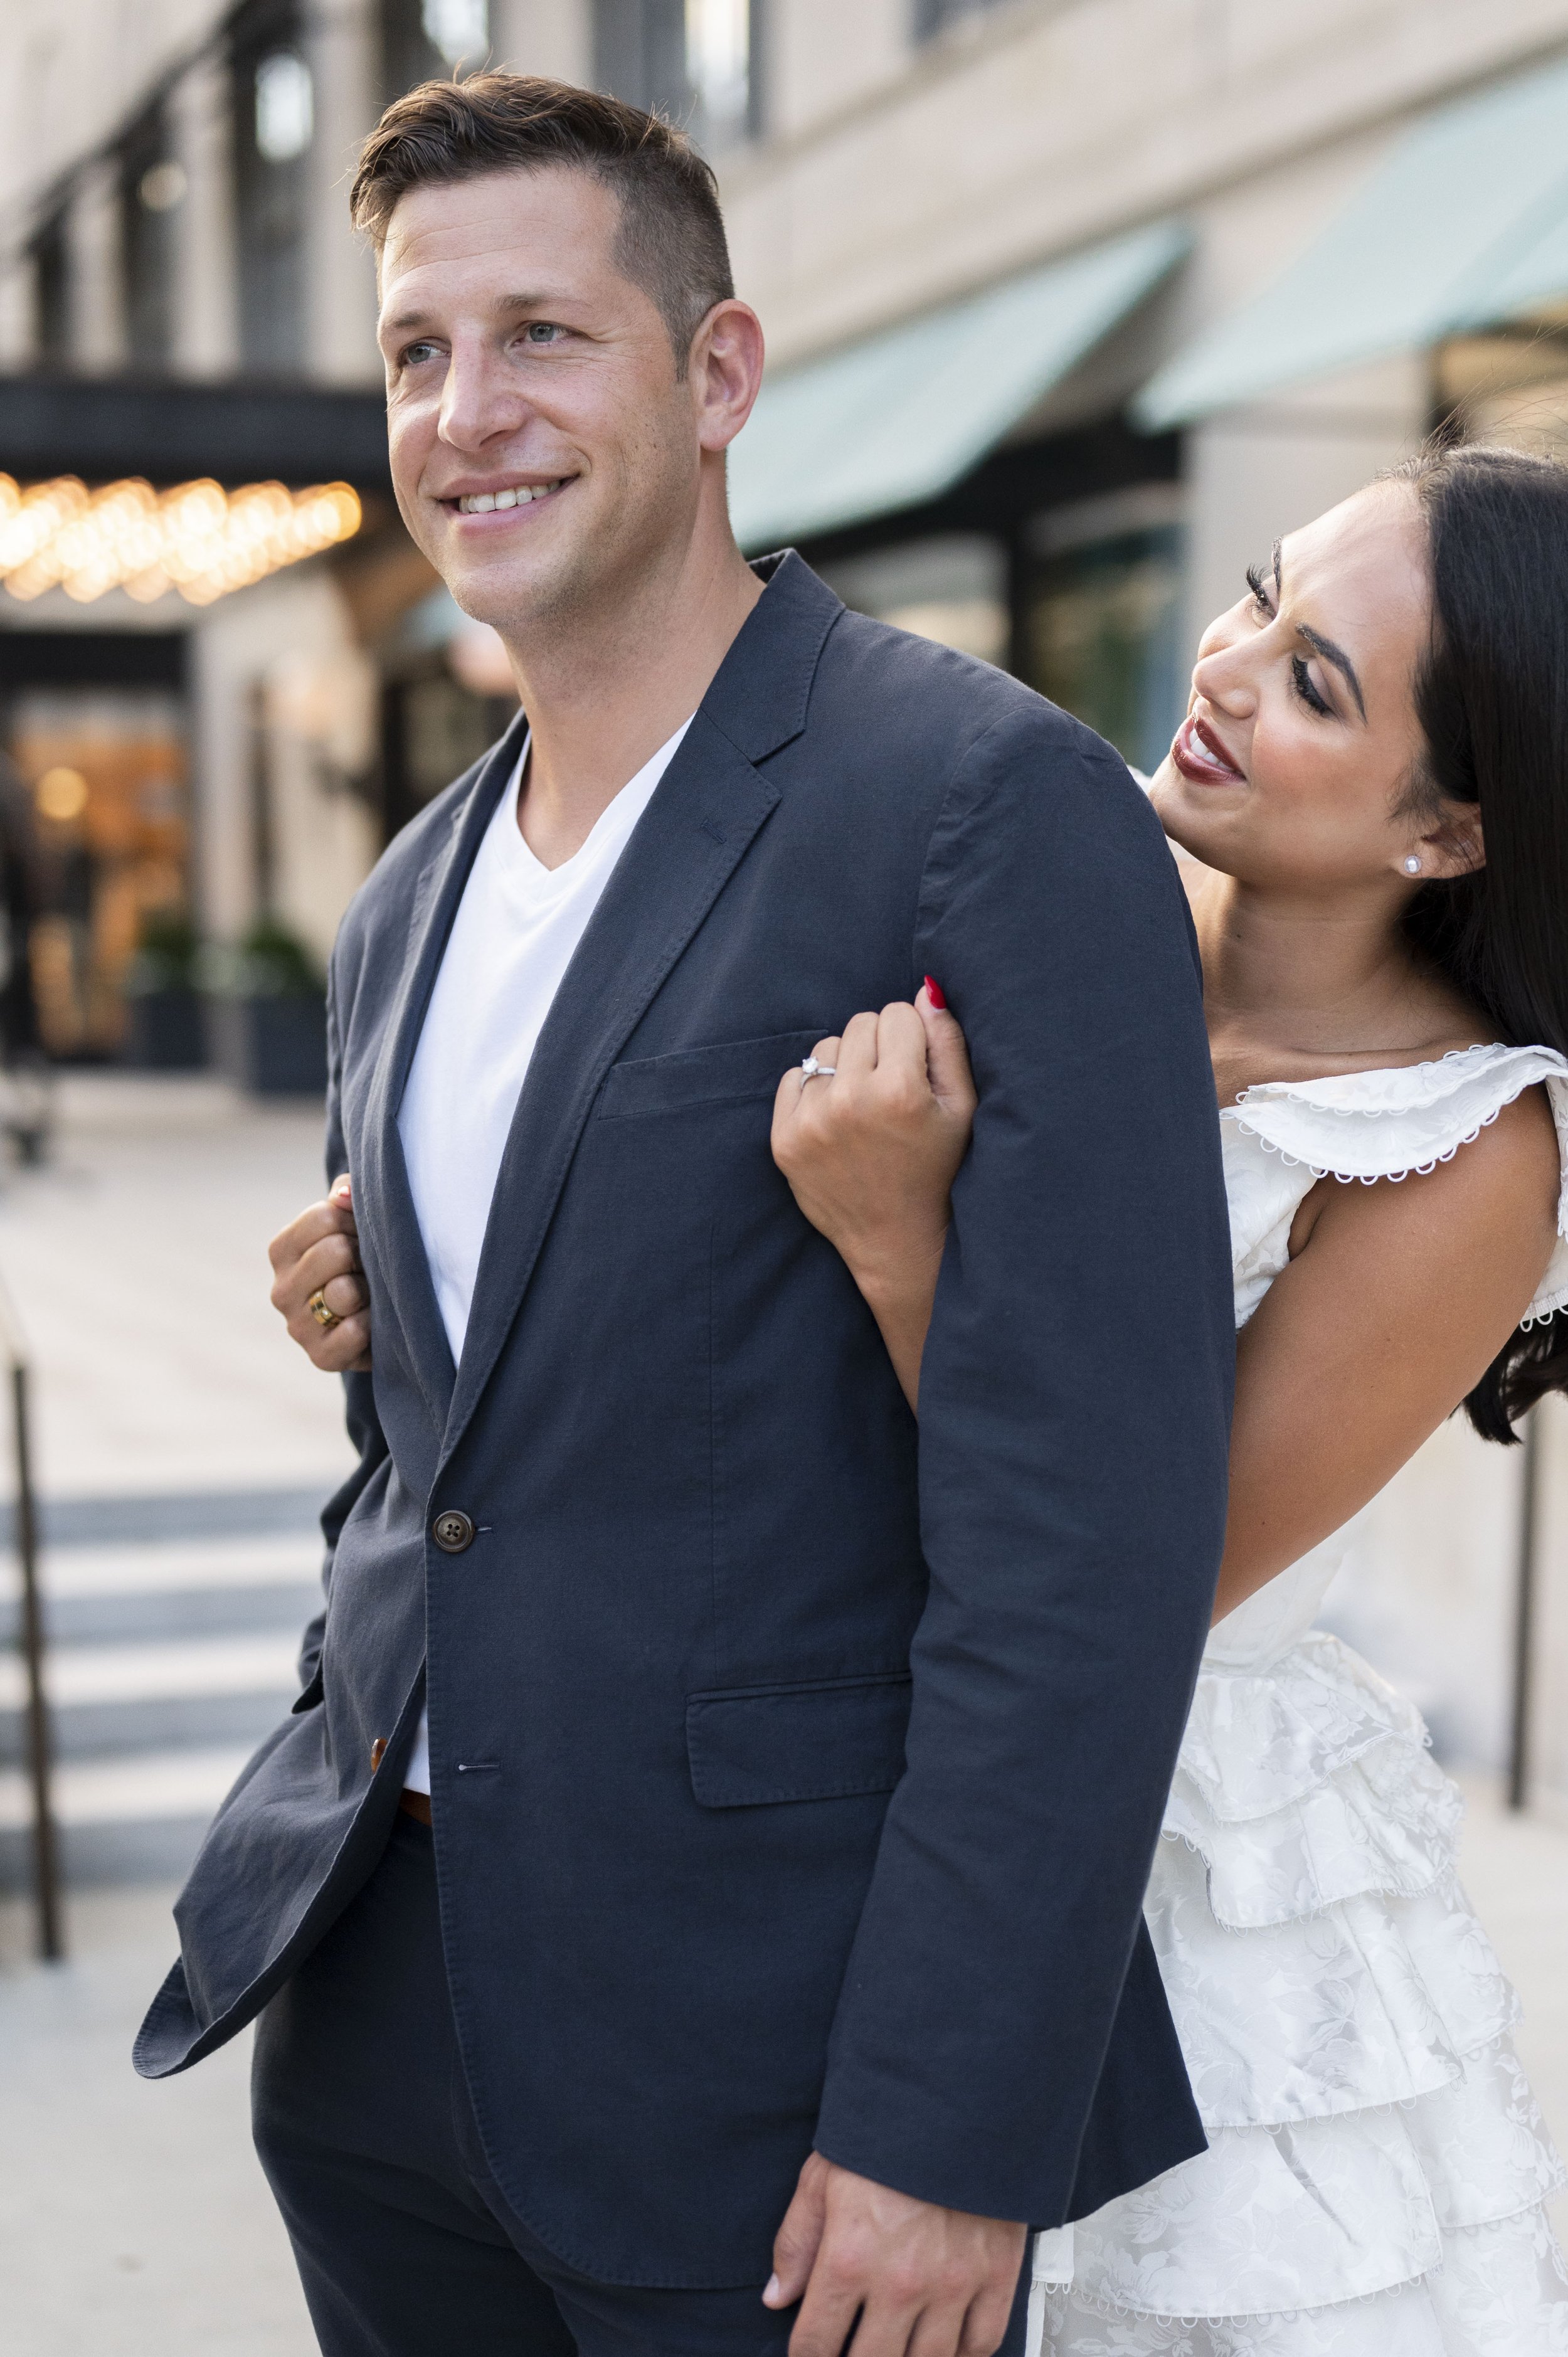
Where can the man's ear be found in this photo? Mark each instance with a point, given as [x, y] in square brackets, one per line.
[1456, 844]
[725, 372]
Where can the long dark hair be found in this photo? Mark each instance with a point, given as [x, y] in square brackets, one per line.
[1491, 696]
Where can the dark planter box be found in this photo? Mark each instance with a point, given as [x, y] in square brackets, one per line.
[273, 1046]
[165, 1033]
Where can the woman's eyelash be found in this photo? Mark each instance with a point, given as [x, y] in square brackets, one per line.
[1304, 686]
[1260, 595]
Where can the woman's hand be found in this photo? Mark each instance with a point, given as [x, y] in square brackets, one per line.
[871, 1156]
[319, 1252]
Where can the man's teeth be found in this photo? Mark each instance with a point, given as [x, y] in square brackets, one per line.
[481, 502]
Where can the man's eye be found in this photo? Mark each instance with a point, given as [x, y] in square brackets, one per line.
[416, 355]
[541, 332]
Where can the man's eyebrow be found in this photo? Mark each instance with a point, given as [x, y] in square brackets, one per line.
[1320, 645]
[400, 323]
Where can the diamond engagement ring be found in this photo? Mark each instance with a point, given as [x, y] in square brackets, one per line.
[811, 1071]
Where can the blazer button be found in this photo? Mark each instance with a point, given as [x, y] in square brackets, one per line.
[452, 1532]
[378, 1752]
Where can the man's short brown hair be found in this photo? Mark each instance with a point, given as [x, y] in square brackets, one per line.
[671, 241]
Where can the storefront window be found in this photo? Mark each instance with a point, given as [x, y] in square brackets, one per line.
[1102, 622]
[152, 190]
[51, 291]
[273, 128]
[934, 15]
[953, 589]
[105, 774]
[425, 40]
[693, 60]
[1509, 384]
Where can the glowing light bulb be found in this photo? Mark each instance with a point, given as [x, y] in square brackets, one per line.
[197, 538]
[60, 794]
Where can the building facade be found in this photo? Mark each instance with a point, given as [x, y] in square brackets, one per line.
[1072, 306]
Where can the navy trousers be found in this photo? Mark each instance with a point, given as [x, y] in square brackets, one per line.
[405, 2244]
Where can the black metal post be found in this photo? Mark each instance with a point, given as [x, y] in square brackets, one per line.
[46, 1851]
[1524, 1612]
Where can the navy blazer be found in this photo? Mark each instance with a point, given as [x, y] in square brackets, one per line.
[791, 1785]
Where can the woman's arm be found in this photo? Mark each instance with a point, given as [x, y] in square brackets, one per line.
[1397, 1299]
[871, 1156]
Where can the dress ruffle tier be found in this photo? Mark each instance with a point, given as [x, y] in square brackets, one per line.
[1377, 2164]
[1378, 2169]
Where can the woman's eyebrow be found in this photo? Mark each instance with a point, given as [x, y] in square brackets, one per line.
[1320, 645]
[1338, 658]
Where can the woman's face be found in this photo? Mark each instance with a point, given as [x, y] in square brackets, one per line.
[1301, 735]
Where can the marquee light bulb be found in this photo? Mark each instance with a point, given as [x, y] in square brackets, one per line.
[197, 538]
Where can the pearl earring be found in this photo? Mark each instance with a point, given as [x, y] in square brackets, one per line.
[1412, 865]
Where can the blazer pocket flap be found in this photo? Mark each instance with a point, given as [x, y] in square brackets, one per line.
[729, 1074]
[752, 1746]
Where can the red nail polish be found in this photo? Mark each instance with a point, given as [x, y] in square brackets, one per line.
[934, 992]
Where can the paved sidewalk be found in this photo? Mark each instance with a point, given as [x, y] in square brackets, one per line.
[138, 1261]
[135, 2220]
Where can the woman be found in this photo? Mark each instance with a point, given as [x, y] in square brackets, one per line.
[1371, 788]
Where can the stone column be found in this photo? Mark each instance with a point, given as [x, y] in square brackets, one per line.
[340, 294]
[16, 334]
[206, 303]
[97, 288]
[543, 36]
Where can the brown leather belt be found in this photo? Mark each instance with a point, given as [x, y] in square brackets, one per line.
[414, 1804]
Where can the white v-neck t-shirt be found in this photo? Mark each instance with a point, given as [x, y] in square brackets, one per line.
[512, 940]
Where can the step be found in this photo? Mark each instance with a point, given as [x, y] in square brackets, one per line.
[120, 1820]
[145, 1697]
[185, 1587]
[173, 1626]
[82, 1522]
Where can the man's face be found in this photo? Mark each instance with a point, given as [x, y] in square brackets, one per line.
[523, 369]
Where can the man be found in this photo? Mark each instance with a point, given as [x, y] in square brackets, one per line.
[753, 1919]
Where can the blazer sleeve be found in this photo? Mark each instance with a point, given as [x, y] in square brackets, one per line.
[1075, 1403]
[358, 1397]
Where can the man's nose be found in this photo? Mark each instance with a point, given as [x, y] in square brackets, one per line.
[477, 404]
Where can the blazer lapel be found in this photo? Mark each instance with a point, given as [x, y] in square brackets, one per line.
[390, 1239]
[708, 806]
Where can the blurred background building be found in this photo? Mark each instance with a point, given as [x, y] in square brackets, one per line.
[1072, 306]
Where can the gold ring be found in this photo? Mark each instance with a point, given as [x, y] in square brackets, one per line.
[319, 1308]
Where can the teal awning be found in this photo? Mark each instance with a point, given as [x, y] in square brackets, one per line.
[899, 418]
[1464, 223]
[1538, 277]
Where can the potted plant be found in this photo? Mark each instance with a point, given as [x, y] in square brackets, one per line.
[163, 1029]
[266, 1005]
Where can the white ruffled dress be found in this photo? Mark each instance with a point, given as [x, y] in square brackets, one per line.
[1376, 2165]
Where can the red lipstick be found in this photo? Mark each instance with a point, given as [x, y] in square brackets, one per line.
[1198, 755]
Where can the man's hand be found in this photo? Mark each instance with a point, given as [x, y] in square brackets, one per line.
[319, 1252]
[923, 2282]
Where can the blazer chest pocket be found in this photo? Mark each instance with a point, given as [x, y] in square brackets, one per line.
[751, 1747]
[729, 1074]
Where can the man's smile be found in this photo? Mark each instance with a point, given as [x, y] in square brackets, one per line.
[502, 497]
